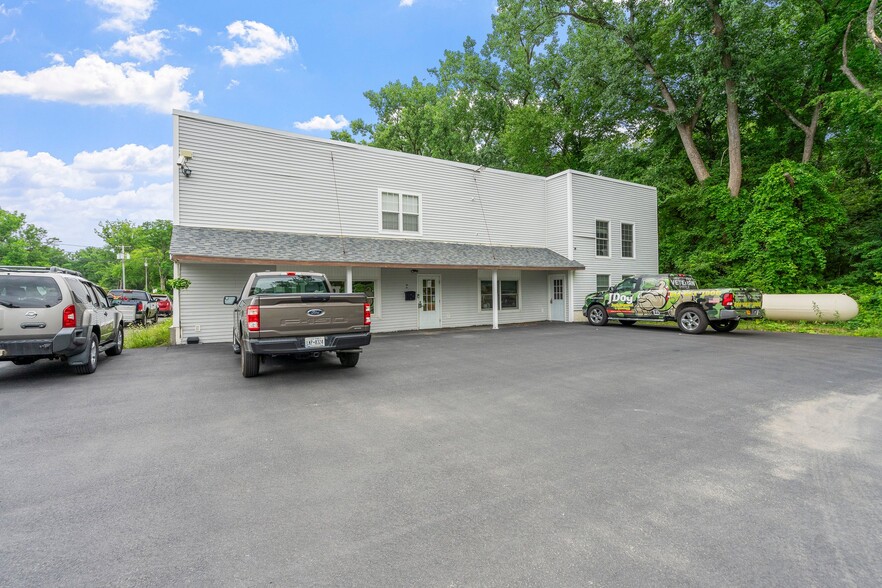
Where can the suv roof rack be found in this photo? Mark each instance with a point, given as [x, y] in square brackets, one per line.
[36, 268]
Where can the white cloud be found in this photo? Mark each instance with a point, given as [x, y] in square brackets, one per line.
[124, 14]
[7, 38]
[130, 182]
[324, 123]
[146, 47]
[94, 81]
[9, 11]
[232, 84]
[405, 3]
[188, 29]
[260, 44]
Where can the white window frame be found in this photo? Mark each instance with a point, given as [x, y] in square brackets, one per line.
[608, 238]
[633, 241]
[400, 231]
[503, 277]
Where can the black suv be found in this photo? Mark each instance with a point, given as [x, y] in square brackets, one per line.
[54, 313]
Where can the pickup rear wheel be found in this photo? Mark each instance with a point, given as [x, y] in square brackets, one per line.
[692, 320]
[250, 364]
[724, 326]
[348, 359]
[597, 315]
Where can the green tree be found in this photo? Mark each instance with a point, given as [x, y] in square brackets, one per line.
[22, 243]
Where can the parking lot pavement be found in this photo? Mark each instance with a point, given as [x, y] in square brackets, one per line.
[539, 455]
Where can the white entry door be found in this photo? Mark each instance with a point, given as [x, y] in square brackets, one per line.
[429, 297]
[556, 291]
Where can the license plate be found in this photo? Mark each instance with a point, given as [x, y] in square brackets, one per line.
[749, 313]
[314, 342]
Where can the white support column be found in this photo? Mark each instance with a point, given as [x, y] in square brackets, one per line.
[571, 290]
[176, 306]
[349, 279]
[495, 299]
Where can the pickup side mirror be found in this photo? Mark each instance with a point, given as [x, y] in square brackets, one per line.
[231, 299]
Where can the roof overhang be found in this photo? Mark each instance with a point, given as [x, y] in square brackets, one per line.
[236, 246]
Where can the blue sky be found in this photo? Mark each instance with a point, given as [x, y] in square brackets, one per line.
[87, 87]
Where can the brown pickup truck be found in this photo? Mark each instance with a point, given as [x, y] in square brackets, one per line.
[295, 313]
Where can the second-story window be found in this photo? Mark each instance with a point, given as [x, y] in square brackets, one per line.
[627, 240]
[602, 238]
[400, 212]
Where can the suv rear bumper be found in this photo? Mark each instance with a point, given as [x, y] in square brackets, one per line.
[291, 345]
[67, 342]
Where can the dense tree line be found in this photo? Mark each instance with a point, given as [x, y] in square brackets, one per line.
[760, 123]
[22, 243]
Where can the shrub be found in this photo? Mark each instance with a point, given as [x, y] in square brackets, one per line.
[150, 336]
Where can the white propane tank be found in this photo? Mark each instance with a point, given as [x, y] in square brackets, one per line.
[819, 308]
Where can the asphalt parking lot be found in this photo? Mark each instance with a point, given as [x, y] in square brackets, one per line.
[539, 455]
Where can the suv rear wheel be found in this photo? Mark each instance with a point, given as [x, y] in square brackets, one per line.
[117, 347]
[92, 359]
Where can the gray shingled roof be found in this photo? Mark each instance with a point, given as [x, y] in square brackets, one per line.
[207, 244]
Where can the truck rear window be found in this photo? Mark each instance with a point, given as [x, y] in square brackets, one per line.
[683, 283]
[297, 284]
[29, 292]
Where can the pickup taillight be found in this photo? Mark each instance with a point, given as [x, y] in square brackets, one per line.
[252, 314]
[140, 307]
[728, 300]
[367, 313]
[69, 317]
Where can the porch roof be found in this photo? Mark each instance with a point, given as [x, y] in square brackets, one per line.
[213, 245]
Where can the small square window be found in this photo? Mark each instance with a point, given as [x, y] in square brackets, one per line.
[602, 282]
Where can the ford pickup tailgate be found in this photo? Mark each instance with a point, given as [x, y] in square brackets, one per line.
[290, 315]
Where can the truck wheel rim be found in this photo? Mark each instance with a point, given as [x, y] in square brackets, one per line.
[689, 321]
[596, 315]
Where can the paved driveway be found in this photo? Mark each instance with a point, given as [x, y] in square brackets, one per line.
[541, 455]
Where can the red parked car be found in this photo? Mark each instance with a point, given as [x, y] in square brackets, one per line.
[165, 305]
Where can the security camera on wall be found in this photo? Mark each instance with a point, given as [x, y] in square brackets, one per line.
[182, 161]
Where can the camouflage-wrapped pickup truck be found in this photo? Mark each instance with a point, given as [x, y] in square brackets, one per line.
[673, 297]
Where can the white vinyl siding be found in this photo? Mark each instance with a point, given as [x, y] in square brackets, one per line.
[253, 178]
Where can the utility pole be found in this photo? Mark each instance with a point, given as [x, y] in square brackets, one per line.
[145, 276]
[123, 256]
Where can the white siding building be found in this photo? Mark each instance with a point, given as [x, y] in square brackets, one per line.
[428, 240]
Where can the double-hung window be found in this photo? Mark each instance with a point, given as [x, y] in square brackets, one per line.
[399, 212]
[602, 282]
[601, 239]
[627, 240]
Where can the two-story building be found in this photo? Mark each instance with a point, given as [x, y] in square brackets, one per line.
[432, 243]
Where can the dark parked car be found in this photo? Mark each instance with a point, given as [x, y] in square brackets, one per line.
[163, 304]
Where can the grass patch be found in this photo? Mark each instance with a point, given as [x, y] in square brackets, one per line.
[150, 336]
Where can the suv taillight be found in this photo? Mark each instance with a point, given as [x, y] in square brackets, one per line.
[69, 317]
[367, 313]
[252, 313]
[728, 299]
